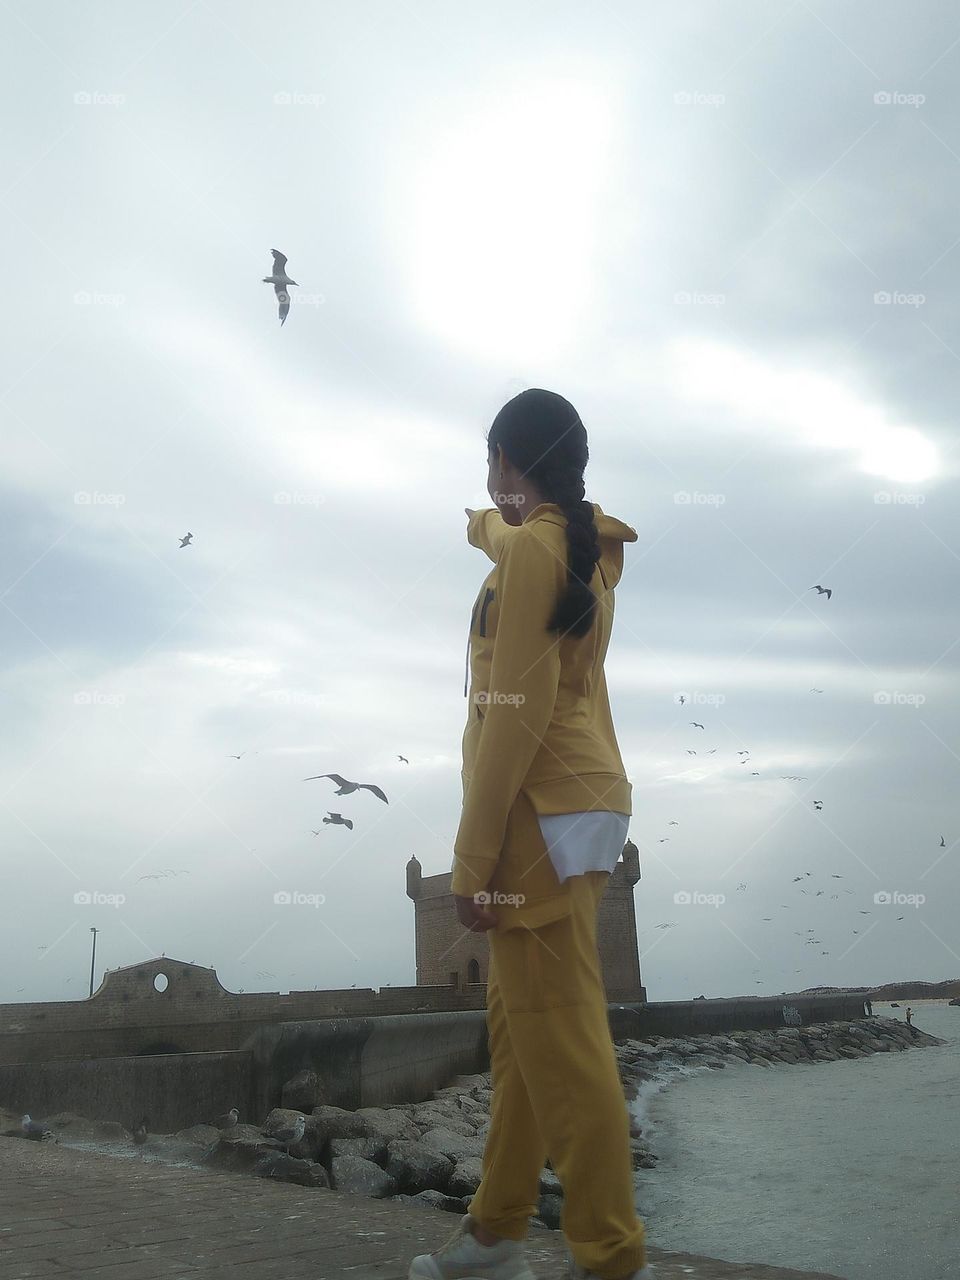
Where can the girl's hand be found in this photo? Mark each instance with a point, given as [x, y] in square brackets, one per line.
[475, 915]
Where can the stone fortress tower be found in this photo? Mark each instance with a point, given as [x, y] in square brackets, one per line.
[448, 955]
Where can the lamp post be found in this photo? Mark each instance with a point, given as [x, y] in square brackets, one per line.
[93, 957]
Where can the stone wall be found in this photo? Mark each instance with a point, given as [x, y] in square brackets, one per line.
[174, 1092]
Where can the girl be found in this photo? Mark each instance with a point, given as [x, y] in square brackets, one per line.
[546, 806]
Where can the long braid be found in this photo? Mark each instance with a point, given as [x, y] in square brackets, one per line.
[577, 606]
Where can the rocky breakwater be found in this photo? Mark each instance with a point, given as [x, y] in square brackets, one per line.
[656, 1058]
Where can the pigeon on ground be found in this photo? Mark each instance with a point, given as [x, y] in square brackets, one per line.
[345, 788]
[280, 280]
[228, 1120]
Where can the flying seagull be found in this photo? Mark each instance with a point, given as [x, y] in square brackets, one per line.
[663, 840]
[242, 753]
[696, 725]
[185, 542]
[743, 753]
[673, 823]
[344, 788]
[690, 752]
[816, 691]
[404, 759]
[339, 820]
[682, 699]
[823, 591]
[755, 773]
[280, 280]
[818, 804]
[943, 843]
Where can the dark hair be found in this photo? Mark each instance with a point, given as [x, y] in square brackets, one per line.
[542, 436]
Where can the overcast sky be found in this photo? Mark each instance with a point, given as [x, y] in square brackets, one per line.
[726, 232]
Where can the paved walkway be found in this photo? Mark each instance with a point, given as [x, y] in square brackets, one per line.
[65, 1212]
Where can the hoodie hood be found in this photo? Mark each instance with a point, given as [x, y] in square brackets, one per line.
[613, 534]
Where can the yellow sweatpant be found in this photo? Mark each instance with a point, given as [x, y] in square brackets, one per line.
[557, 1090]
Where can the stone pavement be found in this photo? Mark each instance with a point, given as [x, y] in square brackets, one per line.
[71, 1213]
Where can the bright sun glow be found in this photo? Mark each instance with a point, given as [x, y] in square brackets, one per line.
[505, 220]
[818, 409]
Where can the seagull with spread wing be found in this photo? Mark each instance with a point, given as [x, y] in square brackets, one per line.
[344, 788]
[280, 280]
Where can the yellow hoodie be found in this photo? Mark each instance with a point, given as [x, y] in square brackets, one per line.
[538, 720]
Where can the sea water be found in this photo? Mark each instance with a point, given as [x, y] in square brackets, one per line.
[850, 1168]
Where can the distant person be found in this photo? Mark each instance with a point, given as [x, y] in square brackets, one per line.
[546, 806]
[869, 1004]
[913, 1029]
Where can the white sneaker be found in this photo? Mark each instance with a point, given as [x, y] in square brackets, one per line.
[463, 1258]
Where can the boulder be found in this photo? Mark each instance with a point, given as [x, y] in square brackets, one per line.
[284, 1168]
[465, 1177]
[302, 1092]
[238, 1153]
[417, 1168]
[453, 1145]
[427, 1118]
[335, 1122]
[200, 1134]
[350, 1173]
[549, 1211]
[373, 1149]
[387, 1123]
[434, 1199]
